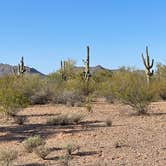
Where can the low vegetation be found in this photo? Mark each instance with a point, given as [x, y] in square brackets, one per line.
[42, 151]
[7, 156]
[70, 148]
[32, 143]
[66, 119]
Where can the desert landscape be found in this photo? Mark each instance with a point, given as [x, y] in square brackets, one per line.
[87, 116]
[82, 83]
[129, 139]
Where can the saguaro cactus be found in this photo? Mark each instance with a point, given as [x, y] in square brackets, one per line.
[63, 70]
[21, 67]
[86, 72]
[148, 66]
[86, 68]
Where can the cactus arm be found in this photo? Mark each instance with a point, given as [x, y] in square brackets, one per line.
[152, 63]
[21, 67]
[147, 65]
[143, 59]
[147, 57]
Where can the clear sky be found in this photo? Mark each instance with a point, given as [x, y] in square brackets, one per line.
[117, 31]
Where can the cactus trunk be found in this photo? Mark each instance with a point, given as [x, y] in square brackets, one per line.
[21, 67]
[87, 71]
[147, 65]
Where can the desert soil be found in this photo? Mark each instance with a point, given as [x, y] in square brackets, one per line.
[130, 141]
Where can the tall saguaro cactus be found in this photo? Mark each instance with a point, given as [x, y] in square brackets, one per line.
[86, 68]
[148, 66]
[21, 67]
[63, 69]
[86, 72]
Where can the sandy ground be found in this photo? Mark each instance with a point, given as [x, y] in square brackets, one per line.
[130, 141]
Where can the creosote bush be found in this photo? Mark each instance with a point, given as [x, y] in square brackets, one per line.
[33, 142]
[131, 88]
[11, 98]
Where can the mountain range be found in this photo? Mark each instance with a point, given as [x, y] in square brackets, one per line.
[6, 69]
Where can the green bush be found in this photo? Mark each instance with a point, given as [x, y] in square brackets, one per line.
[33, 142]
[11, 98]
[130, 87]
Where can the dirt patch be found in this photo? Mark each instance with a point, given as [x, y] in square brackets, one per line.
[131, 140]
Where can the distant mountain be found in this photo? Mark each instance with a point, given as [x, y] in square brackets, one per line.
[94, 69]
[101, 68]
[6, 69]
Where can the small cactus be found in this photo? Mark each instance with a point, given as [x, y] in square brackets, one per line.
[148, 66]
[21, 67]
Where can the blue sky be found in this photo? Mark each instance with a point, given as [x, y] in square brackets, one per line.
[117, 31]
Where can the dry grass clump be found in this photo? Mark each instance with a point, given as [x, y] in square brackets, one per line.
[66, 119]
[42, 151]
[7, 157]
[70, 148]
[33, 142]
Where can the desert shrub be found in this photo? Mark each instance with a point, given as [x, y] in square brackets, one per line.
[66, 119]
[67, 97]
[7, 157]
[42, 151]
[161, 71]
[131, 88]
[33, 142]
[11, 97]
[162, 89]
[42, 97]
[70, 148]
[31, 84]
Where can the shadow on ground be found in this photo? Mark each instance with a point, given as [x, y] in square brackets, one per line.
[20, 132]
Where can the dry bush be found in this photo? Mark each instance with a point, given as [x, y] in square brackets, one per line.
[42, 97]
[70, 148]
[68, 97]
[42, 151]
[66, 119]
[7, 157]
[33, 142]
